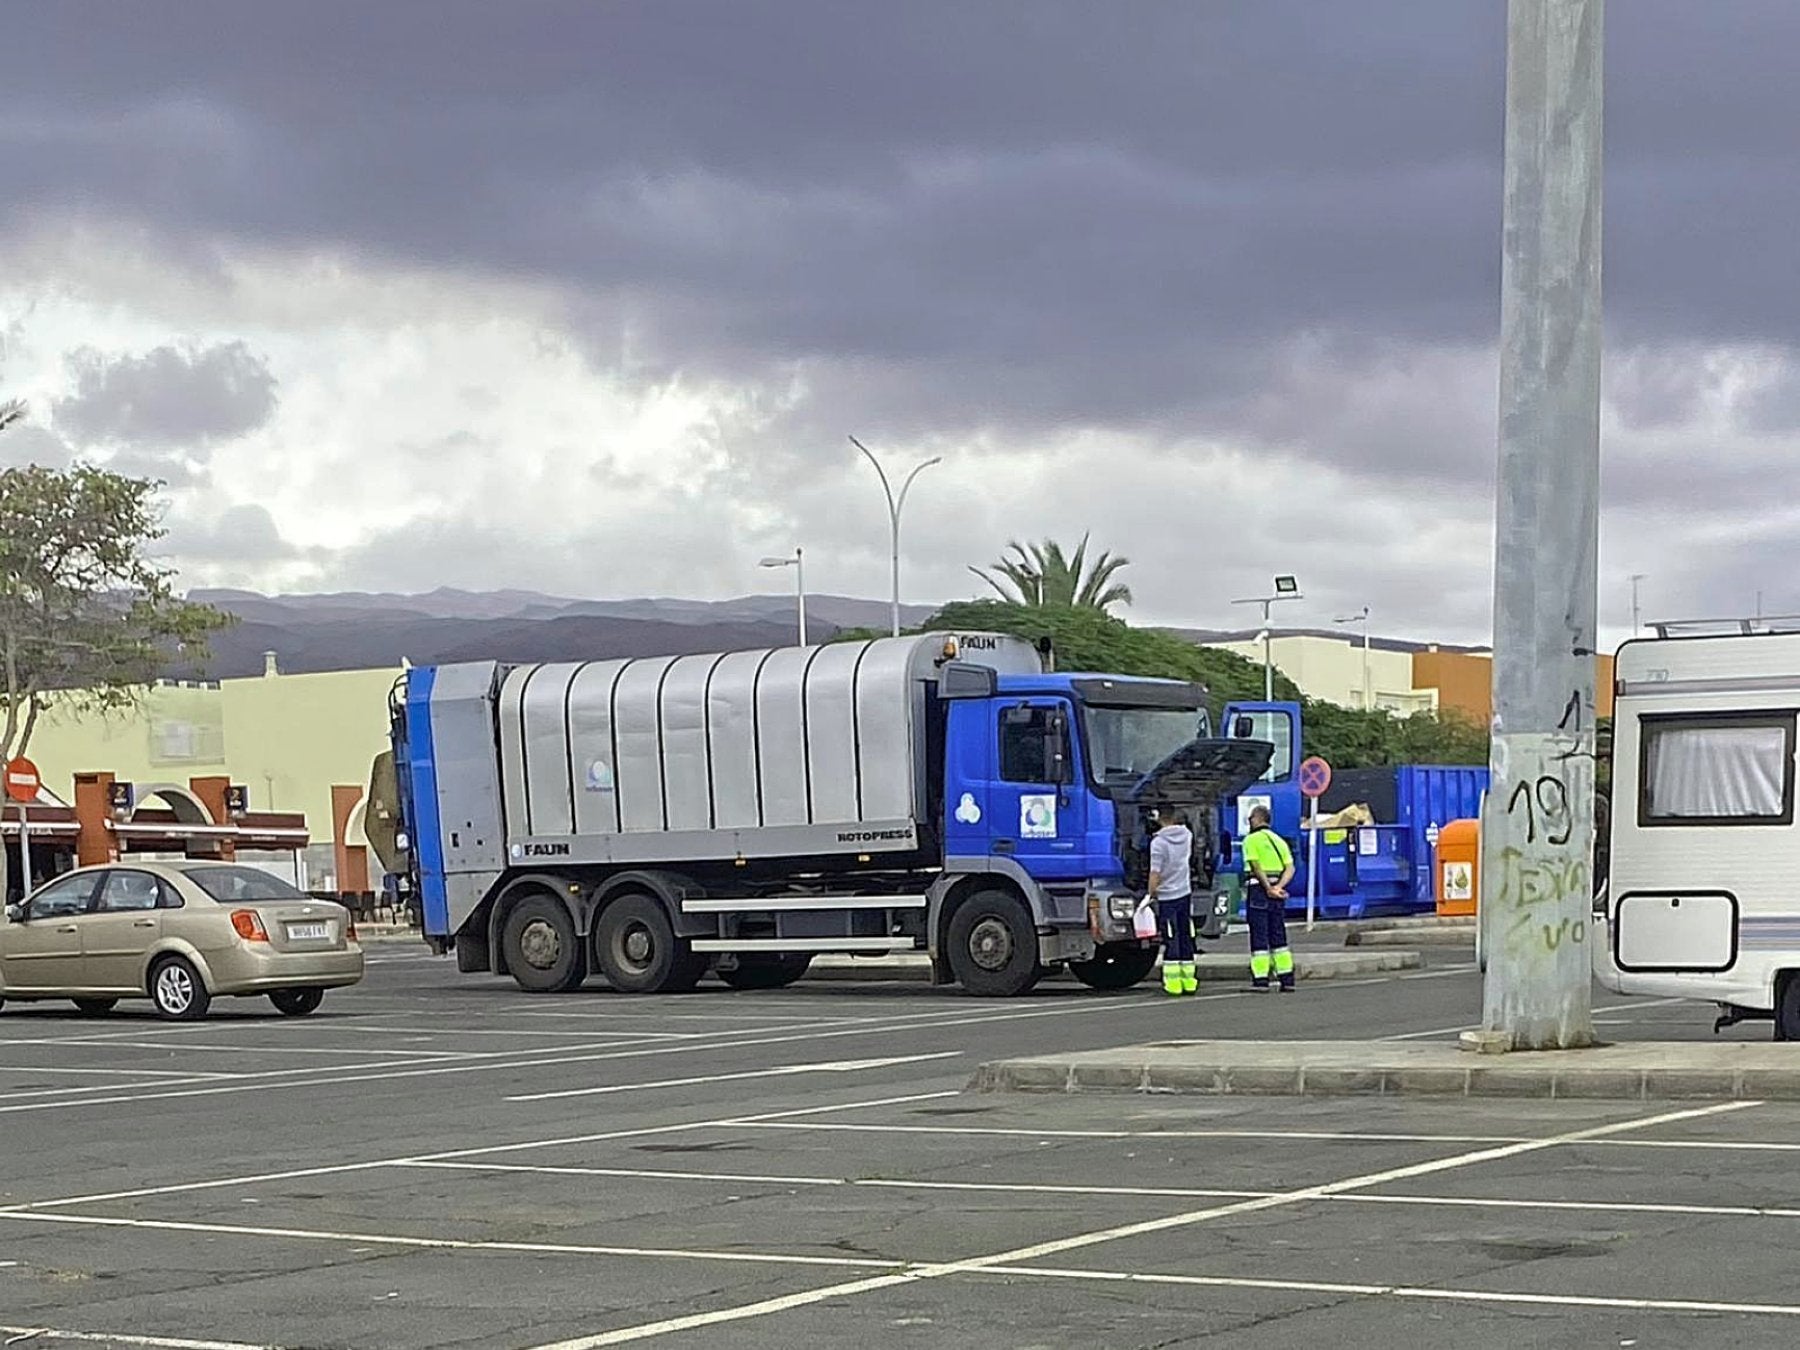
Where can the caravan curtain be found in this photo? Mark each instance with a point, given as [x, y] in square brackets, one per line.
[1725, 771]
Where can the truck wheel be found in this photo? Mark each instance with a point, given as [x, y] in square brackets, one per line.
[993, 946]
[637, 950]
[1117, 965]
[1787, 1008]
[543, 951]
[766, 970]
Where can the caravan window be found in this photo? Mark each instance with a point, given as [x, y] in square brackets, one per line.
[1722, 769]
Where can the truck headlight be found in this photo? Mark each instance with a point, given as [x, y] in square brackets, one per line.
[1121, 906]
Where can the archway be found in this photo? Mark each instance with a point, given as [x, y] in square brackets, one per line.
[187, 808]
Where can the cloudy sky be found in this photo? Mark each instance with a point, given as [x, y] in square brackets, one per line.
[586, 296]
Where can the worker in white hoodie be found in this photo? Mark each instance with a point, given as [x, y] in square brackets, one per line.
[1172, 891]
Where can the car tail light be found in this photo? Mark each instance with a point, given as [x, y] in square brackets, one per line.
[249, 925]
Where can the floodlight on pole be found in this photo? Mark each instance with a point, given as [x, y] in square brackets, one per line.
[798, 563]
[896, 503]
[1287, 587]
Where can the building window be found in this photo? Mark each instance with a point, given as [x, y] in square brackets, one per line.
[1717, 769]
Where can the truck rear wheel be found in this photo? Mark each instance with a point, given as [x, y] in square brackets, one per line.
[1787, 1007]
[637, 950]
[1117, 965]
[993, 947]
[543, 950]
[766, 970]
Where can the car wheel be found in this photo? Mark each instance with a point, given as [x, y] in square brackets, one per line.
[95, 1007]
[993, 946]
[297, 1002]
[542, 949]
[766, 970]
[637, 950]
[177, 991]
[1117, 965]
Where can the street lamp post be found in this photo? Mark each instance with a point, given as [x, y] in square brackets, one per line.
[1286, 588]
[798, 563]
[1368, 694]
[895, 505]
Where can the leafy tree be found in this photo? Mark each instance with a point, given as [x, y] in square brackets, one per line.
[1349, 738]
[1043, 575]
[85, 616]
[1087, 639]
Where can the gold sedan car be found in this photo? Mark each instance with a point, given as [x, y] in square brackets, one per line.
[179, 934]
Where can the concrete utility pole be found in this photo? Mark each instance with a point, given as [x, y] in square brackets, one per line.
[1538, 838]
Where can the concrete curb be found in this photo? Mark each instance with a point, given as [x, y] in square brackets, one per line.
[1210, 968]
[1638, 1071]
[915, 968]
[1461, 935]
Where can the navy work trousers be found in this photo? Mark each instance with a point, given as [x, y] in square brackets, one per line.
[1177, 924]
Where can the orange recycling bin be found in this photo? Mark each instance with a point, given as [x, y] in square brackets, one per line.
[1459, 867]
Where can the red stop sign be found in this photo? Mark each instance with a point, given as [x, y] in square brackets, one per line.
[22, 781]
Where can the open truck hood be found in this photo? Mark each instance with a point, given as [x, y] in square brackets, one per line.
[1200, 774]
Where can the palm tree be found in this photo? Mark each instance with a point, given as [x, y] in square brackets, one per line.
[11, 411]
[1044, 576]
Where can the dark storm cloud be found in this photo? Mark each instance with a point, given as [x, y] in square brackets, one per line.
[1136, 192]
[166, 398]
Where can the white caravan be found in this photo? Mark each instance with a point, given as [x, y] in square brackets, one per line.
[1703, 896]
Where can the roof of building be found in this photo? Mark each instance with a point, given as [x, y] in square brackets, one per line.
[1349, 636]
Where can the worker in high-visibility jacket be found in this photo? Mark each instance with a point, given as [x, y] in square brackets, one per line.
[1268, 867]
[1172, 891]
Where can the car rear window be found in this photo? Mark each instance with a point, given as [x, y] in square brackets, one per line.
[232, 885]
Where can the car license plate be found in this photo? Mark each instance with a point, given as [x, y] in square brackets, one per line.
[307, 932]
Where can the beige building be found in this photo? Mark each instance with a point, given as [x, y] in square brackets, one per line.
[1334, 667]
[288, 739]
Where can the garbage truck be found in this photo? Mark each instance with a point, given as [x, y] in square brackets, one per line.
[648, 820]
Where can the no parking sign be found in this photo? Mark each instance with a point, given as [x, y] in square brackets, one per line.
[1315, 777]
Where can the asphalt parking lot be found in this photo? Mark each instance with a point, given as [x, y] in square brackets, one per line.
[439, 1160]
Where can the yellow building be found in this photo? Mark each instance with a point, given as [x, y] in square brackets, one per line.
[289, 739]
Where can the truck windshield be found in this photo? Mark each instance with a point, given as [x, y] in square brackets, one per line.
[1126, 743]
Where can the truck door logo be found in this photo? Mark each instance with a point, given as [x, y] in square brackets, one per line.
[966, 810]
[1037, 816]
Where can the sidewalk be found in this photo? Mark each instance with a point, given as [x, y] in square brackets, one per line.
[1634, 1071]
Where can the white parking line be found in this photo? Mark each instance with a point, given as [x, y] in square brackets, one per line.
[1425, 1292]
[451, 1244]
[1476, 1026]
[1101, 1192]
[485, 1151]
[774, 1071]
[1144, 1228]
[61, 1069]
[870, 1183]
[24, 1335]
[515, 1059]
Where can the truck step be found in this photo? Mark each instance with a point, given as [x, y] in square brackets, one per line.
[793, 904]
[813, 944]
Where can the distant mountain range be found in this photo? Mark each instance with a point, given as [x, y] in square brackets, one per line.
[354, 631]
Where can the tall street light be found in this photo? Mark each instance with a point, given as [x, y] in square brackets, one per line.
[1286, 588]
[1637, 619]
[1368, 695]
[895, 504]
[798, 563]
